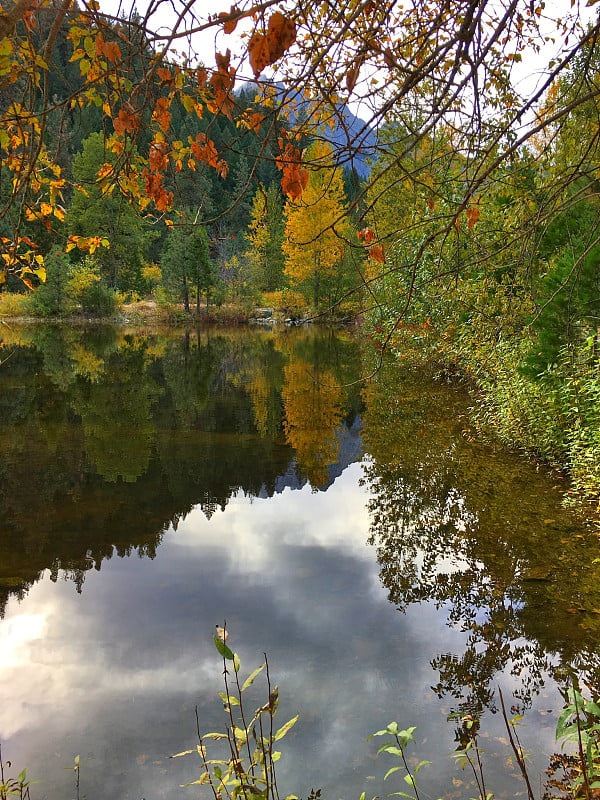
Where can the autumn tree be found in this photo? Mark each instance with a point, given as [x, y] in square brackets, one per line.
[317, 231]
[313, 410]
[454, 62]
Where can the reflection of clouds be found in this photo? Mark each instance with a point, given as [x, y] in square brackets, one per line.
[333, 519]
[115, 673]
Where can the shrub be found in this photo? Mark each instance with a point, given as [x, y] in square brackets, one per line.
[293, 303]
[50, 299]
[86, 289]
[15, 305]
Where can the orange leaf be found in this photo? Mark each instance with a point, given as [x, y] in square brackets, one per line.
[254, 121]
[126, 121]
[223, 61]
[376, 252]
[162, 114]
[112, 51]
[29, 20]
[473, 215]
[259, 54]
[157, 159]
[367, 235]
[281, 35]
[230, 19]
[351, 78]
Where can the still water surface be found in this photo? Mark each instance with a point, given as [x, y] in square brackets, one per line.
[390, 564]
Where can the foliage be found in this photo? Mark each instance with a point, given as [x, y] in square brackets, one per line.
[247, 767]
[579, 725]
[316, 232]
[186, 264]
[151, 273]
[50, 299]
[293, 303]
[15, 304]
[13, 787]
[86, 289]
[97, 211]
[265, 239]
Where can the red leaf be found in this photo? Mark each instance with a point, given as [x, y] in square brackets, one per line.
[376, 252]
[366, 235]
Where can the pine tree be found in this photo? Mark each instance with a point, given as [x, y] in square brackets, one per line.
[186, 262]
[265, 240]
[108, 215]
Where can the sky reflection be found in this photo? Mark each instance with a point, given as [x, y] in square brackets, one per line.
[114, 673]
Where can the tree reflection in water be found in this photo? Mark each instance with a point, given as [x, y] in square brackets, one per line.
[110, 436]
[481, 534]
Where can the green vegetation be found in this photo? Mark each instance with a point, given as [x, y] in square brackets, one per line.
[479, 240]
[515, 312]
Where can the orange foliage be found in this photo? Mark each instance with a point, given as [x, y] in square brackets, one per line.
[267, 48]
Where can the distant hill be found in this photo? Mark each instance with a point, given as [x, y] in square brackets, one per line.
[354, 140]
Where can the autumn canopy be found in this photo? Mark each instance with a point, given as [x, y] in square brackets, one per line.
[448, 70]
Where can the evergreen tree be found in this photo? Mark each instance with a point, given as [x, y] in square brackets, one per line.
[265, 240]
[93, 213]
[186, 262]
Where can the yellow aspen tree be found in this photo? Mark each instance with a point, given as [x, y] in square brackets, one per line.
[317, 229]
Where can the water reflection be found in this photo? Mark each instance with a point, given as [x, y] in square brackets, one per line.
[204, 453]
[109, 437]
[475, 531]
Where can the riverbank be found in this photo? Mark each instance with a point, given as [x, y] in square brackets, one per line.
[149, 311]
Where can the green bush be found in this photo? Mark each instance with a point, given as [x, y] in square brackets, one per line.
[13, 304]
[99, 300]
[50, 299]
[86, 289]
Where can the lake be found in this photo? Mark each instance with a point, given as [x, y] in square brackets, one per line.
[392, 564]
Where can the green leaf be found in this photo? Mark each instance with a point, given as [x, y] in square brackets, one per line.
[420, 765]
[390, 771]
[240, 734]
[236, 663]
[274, 701]
[563, 719]
[250, 679]
[410, 780]
[592, 708]
[391, 749]
[214, 736]
[222, 648]
[402, 794]
[285, 728]
[183, 753]
[228, 699]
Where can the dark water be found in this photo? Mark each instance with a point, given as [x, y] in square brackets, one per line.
[392, 566]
